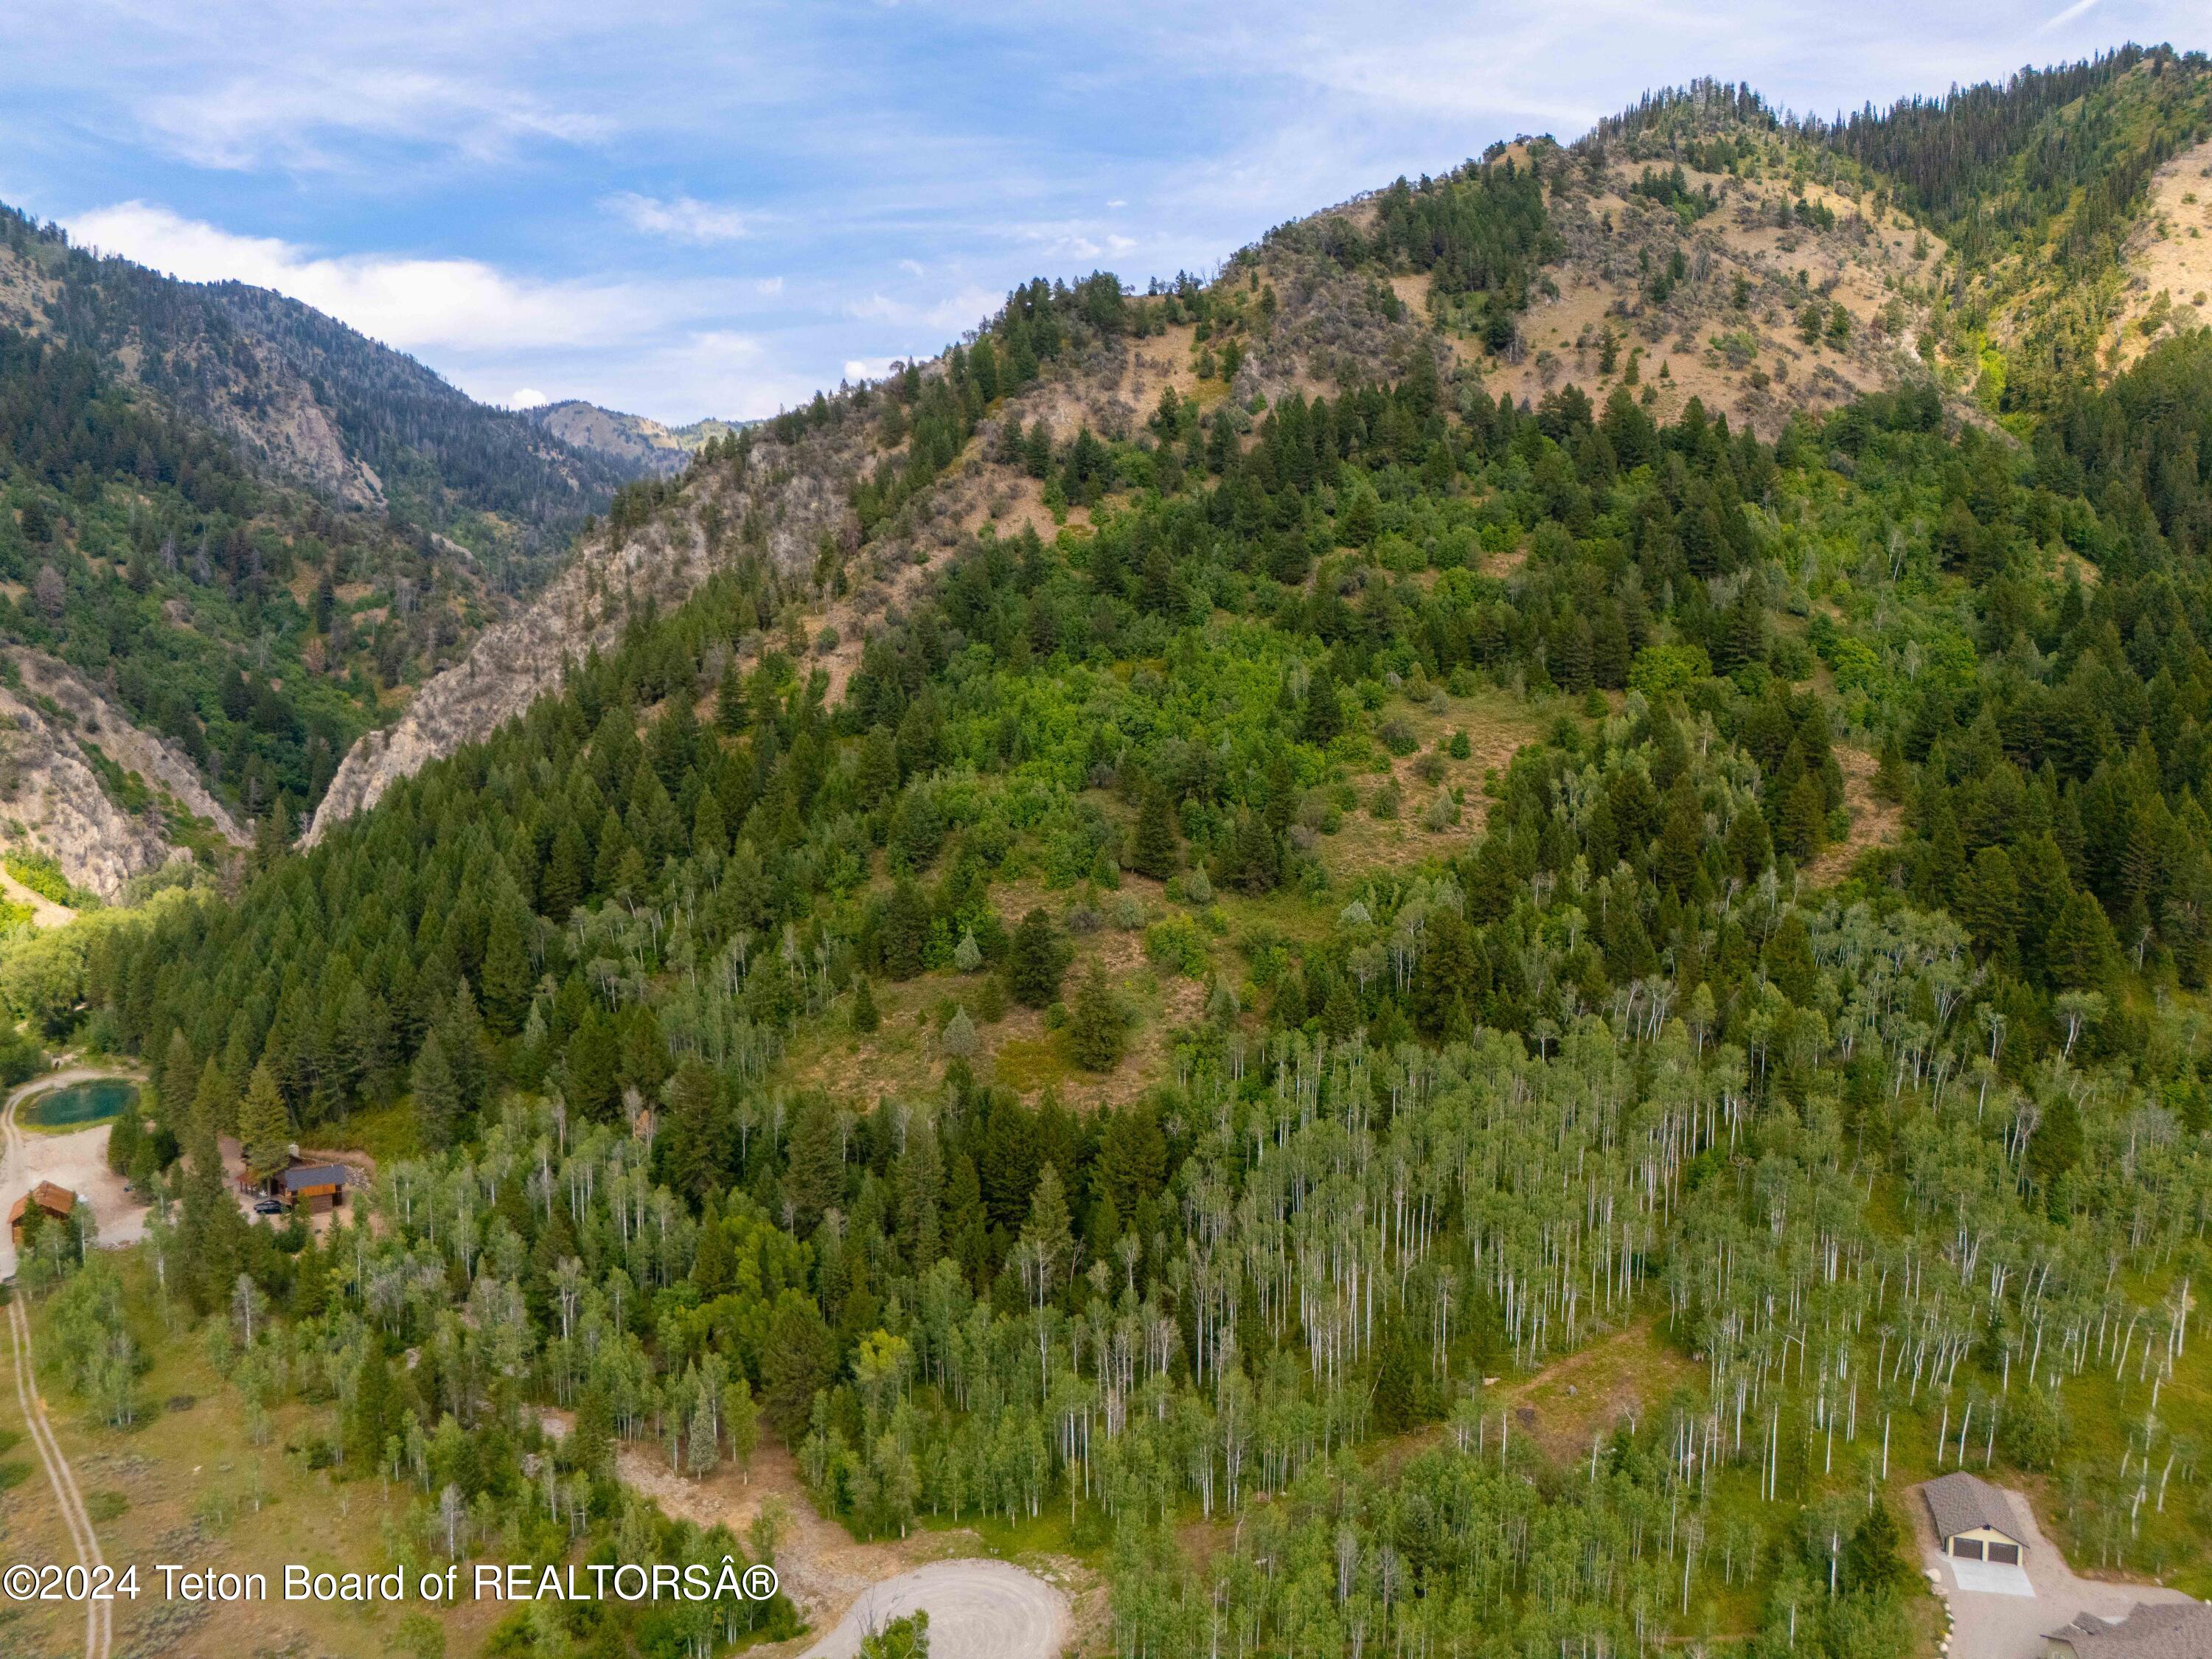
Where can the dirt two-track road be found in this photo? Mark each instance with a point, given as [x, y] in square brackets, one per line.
[28, 1160]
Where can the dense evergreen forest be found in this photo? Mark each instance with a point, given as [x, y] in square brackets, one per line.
[1805, 1017]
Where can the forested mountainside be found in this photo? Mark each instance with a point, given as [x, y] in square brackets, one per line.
[313, 401]
[1392, 1009]
[253, 530]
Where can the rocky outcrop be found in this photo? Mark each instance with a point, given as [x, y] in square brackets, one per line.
[637, 441]
[792, 492]
[57, 736]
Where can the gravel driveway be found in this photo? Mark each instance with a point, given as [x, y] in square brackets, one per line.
[78, 1160]
[977, 1609]
[2012, 1627]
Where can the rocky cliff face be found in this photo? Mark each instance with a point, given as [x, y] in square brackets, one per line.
[791, 491]
[78, 780]
[635, 442]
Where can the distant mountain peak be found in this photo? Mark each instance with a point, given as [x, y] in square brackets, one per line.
[637, 441]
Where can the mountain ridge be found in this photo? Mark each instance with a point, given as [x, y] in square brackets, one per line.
[1334, 321]
[253, 527]
[636, 441]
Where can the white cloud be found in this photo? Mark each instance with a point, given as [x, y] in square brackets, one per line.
[406, 302]
[769, 285]
[868, 368]
[680, 218]
[954, 313]
[2079, 9]
[526, 396]
[912, 267]
[680, 377]
[289, 118]
[1069, 240]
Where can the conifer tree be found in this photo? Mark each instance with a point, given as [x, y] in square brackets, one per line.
[209, 1228]
[437, 1095]
[1035, 965]
[688, 1144]
[1095, 1028]
[1803, 827]
[264, 1129]
[1989, 904]
[508, 977]
[1048, 1231]
[731, 715]
[1339, 1011]
[590, 1067]
[903, 938]
[815, 1179]
[917, 830]
[1323, 718]
[1788, 959]
[1152, 850]
[567, 875]
[173, 1088]
[1255, 859]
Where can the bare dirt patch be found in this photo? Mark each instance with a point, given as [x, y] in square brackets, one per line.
[1874, 822]
[1614, 238]
[2169, 256]
[76, 1161]
[825, 1570]
[1496, 723]
[1615, 1380]
[905, 1056]
[45, 913]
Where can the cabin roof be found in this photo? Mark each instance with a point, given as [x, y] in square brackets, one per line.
[1959, 1502]
[2175, 1629]
[53, 1199]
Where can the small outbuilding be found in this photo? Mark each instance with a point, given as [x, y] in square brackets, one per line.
[313, 1183]
[57, 1203]
[1974, 1520]
[2161, 1630]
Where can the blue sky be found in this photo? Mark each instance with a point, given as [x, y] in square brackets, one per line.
[699, 210]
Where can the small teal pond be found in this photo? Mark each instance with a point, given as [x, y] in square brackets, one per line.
[80, 1104]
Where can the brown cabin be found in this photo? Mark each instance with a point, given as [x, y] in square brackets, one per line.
[313, 1185]
[58, 1203]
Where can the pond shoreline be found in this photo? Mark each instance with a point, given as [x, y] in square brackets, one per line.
[31, 1109]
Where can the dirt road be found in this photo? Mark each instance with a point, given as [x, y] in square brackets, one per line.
[991, 1609]
[99, 1615]
[979, 1609]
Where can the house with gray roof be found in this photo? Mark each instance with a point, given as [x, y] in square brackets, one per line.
[2164, 1630]
[1974, 1520]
